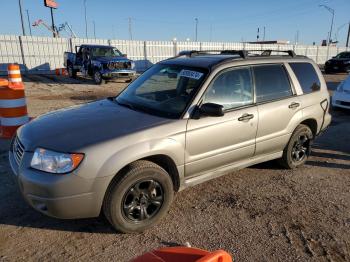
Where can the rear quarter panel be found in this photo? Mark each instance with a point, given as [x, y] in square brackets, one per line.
[310, 103]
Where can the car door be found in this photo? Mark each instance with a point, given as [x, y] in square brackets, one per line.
[79, 57]
[278, 107]
[214, 142]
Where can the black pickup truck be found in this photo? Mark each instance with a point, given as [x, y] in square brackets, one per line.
[100, 62]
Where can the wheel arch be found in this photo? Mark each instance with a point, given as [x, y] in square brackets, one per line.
[312, 124]
[163, 160]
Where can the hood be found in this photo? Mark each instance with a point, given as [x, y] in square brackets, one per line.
[338, 59]
[68, 130]
[346, 84]
[104, 59]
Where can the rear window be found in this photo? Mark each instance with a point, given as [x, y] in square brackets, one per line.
[307, 77]
[271, 83]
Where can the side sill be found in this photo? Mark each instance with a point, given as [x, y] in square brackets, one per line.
[203, 177]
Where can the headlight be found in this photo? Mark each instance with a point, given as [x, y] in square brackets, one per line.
[54, 162]
[132, 64]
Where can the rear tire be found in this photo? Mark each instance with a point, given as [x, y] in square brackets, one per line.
[139, 197]
[298, 149]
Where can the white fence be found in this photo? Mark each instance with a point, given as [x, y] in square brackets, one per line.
[42, 54]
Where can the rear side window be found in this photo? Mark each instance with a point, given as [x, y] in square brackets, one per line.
[271, 83]
[307, 77]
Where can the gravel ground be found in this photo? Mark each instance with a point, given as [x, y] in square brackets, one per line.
[261, 213]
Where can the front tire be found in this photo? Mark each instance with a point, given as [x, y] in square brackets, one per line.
[98, 78]
[298, 148]
[139, 197]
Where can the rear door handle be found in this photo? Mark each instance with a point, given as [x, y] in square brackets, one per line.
[246, 117]
[294, 105]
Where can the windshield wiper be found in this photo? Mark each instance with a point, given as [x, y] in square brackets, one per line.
[125, 104]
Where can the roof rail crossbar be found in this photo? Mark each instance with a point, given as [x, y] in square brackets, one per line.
[241, 53]
[268, 52]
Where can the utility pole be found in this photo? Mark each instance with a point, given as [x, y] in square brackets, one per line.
[196, 32]
[264, 34]
[54, 32]
[211, 33]
[331, 10]
[130, 29]
[348, 38]
[86, 25]
[257, 35]
[93, 22]
[20, 11]
[29, 25]
[296, 40]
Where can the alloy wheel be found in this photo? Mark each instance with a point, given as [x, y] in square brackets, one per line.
[143, 200]
[301, 148]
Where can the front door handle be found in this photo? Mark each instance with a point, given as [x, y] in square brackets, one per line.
[294, 105]
[246, 117]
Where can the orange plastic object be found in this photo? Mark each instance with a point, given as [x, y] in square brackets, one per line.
[3, 82]
[14, 77]
[184, 254]
[61, 71]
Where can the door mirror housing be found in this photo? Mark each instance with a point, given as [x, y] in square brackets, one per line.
[211, 109]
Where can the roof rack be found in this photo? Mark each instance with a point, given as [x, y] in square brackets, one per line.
[191, 53]
[242, 53]
[269, 51]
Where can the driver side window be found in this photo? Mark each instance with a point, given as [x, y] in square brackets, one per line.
[232, 88]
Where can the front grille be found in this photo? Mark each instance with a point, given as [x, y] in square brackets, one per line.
[345, 103]
[119, 65]
[18, 150]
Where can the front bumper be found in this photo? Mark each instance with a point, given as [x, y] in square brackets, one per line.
[119, 74]
[62, 196]
[341, 99]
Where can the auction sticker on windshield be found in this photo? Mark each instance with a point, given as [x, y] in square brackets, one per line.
[190, 74]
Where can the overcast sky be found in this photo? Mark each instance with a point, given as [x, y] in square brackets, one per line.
[219, 20]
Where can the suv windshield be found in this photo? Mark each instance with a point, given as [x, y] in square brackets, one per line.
[105, 51]
[164, 90]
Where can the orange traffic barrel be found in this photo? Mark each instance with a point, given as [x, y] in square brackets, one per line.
[14, 77]
[61, 71]
[184, 254]
[13, 109]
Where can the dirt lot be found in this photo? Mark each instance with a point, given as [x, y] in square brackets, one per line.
[262, 213]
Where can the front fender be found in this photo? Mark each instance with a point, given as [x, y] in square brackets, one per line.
[167, 146]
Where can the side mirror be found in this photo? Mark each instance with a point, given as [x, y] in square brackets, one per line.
[124, 55]
[211, 109]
